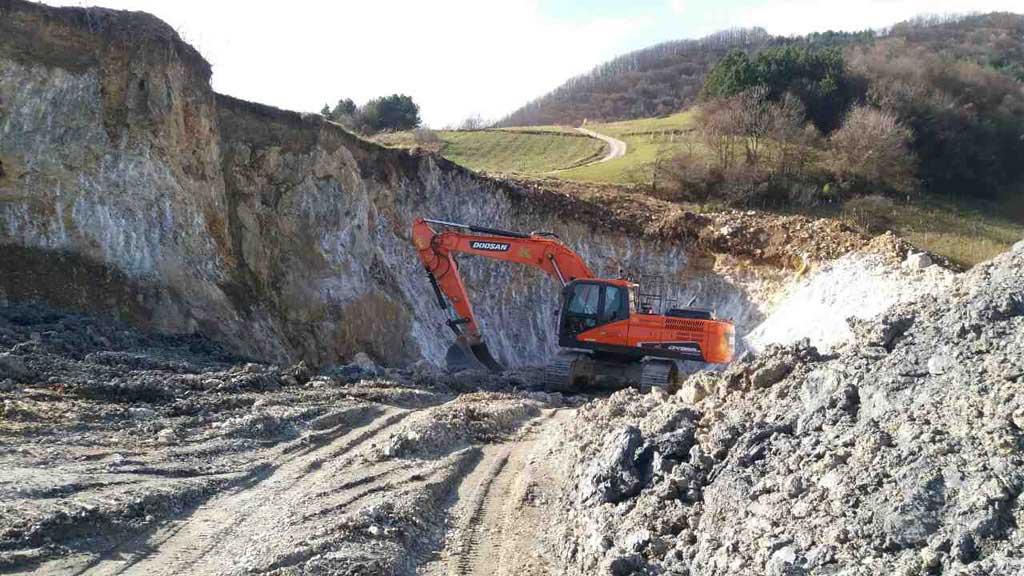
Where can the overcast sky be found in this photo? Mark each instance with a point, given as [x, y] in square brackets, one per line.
[463, 57]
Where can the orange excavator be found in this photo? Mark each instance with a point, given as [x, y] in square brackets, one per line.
[609, 337]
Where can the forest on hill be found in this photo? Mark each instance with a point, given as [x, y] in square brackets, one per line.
[931, 105]
[664, 78]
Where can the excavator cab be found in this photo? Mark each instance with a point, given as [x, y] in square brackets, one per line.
[587, 304]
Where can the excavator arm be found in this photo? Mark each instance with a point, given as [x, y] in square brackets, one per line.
[437, 253]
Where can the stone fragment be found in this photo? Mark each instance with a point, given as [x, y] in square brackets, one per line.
[613, 475]
[939, 363]
[917, 261]
[13, 367]
[141, 412]
[782, 561]
[167, 436]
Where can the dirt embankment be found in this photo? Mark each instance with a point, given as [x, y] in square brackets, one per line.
[757, 238]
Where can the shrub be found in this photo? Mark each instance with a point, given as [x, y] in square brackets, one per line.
[871, 153]
[872, 214]
[426, 137]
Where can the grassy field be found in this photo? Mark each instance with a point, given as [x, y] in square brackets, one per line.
[644, 138]
[526, 151]
[966, 232]
[513, 152]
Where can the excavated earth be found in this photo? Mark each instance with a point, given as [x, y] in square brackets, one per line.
[898, 452]
[129, 453]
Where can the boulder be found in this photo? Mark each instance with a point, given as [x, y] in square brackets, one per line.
[623, 565]
[773, 371]
[613, 476]
[917, 261]
[698, 387]
[13, 367]
[675, 444]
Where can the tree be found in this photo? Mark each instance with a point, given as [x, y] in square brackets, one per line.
[817, 77]
[343, 108]
[733, 74]
[967, 119]
[474, 122]
[395, 112]
[871, 153]
[344, 113]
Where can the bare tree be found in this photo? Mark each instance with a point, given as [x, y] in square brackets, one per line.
[719, 129]
[756, 120]
[871, 152]
[474, 122]
[794, 139]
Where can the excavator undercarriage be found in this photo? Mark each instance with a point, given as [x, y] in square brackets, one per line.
[573, 371]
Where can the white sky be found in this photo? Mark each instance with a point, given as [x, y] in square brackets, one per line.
[463, 57]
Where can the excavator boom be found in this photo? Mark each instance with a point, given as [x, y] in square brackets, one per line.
[437, 253]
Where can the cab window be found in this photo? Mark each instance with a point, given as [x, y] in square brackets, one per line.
[585, 299]
[612, 303]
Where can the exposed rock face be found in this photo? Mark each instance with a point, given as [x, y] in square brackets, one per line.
[129, 188]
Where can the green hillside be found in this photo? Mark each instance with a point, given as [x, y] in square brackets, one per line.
[966, 231]
[529, 152]
[644, 139]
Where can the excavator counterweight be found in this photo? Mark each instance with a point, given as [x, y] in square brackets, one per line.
[607, 341]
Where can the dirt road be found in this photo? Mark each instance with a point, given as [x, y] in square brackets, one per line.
[312, 500]
[231, 532]
[497, 514]
[616, 148]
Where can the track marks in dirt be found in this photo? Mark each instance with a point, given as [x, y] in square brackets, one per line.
[494, 532]
[218, 536]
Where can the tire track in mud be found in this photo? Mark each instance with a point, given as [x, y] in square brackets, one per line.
[495, 533]
[479, 548]
[201, 543]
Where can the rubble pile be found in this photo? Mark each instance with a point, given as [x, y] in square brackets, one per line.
[900, 453]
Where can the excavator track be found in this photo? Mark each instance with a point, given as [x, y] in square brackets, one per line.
[658, 374]
[558, 374]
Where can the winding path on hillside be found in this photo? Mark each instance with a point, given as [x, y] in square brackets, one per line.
[616, 147]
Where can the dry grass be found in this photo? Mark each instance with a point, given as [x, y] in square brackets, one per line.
[967, 232]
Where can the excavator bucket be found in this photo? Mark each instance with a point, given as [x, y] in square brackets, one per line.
[464, 356]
